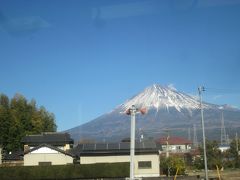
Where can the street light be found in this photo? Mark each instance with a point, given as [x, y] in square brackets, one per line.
[200, 90]
[132, 111]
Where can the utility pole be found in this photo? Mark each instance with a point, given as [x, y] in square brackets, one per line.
[132, 111]
[189, 134]
[167, 143]
[195, 140]
[236, 138]
[200, 90]
[224, 138]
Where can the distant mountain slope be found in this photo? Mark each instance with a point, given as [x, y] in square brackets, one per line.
[167, 109]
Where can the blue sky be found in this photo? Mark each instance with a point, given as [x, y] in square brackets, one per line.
[82, 58]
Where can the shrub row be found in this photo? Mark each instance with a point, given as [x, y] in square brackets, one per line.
[83, 171]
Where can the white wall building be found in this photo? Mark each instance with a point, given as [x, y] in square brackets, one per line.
[175, 144]
[146, 156]
[47, 155]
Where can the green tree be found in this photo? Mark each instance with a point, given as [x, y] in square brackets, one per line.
[5, 120]
[214, 156]
[19, 118]
[232, 155]
[170, 165]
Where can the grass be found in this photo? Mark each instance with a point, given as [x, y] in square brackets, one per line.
[228, 174]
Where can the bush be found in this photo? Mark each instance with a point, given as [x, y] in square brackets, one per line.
[170, 165]
[103, 170]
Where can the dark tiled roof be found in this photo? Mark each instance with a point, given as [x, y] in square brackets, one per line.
[14, 156]
[51, 147]
[48, 138]
[173, 141]
[113, 148]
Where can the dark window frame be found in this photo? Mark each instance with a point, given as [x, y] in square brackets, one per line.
[144, 164]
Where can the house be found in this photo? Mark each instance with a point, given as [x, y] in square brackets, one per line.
[46, 154]
[47, 149]
[224, 148]
[62, 141]
[174, 144]
[146, 156]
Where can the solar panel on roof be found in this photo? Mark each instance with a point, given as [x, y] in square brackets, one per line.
[139, 145]
[101, 146]
[113, 146]
[149, 144]
[89, 146]
[124, 145]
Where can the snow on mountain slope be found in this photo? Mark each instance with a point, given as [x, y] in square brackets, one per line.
[167, 108]
[157, 96]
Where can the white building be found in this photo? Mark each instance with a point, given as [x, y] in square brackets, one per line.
[47, 155]
[146, 156]
[47, 149]
[224, 148]
[174, 144]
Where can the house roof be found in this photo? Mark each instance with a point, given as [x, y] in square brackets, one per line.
[48, 138]
[14, 156]
[173, 141]
[51, 147]
[121, 148]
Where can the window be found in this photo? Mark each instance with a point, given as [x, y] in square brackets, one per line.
[44, 163]
[144, 165]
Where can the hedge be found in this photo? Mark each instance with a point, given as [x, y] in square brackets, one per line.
[83, 171]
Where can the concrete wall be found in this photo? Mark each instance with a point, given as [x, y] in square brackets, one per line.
[139, 172]
[33, 159]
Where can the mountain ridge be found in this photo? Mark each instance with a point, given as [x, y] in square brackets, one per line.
[167, 108]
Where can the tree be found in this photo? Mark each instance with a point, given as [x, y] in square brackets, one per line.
[214, 156]
[232, 155]
[19, 118]
[5, 120]
[170, 165]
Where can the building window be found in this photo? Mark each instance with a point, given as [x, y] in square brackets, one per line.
[44, 163]
[144, 164]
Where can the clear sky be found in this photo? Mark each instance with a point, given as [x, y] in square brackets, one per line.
[82, 58]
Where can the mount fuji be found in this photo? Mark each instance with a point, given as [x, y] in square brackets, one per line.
[167, 109]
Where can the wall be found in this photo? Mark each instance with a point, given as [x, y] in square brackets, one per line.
[32, 159]
[152, 172]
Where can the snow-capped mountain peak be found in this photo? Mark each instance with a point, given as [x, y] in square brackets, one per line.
[157, 96]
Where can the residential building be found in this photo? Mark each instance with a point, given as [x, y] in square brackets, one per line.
[13, 158]
[45, 154]
[174, 144]
[224, 148]
[146, 156]
[62, 141]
